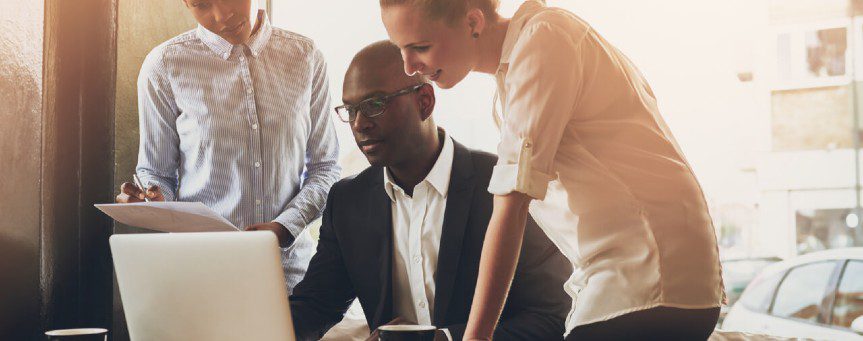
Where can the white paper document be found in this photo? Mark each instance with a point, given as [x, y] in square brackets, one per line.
[168, 216]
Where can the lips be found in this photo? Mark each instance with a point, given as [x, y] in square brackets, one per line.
[233, 29]
[434, 77]
[370, 145]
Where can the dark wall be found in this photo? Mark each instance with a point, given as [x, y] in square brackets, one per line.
[57, 74]
[77, 159]
[20, 162]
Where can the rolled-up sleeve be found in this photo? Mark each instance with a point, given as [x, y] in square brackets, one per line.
[542, 86]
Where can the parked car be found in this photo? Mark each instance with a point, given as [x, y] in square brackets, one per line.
[818, 295]
[737, 273]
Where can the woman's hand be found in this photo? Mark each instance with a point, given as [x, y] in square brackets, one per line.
[130, 193]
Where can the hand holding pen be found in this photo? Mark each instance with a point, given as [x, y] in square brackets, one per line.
[130, 192]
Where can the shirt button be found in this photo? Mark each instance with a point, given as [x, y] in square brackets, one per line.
[226, 55]
[422, 305]
[257, 165]
[417, 259]
[255, 126]
[258, 202]
[249, 91]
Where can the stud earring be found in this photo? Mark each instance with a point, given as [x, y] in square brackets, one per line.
[475, 35]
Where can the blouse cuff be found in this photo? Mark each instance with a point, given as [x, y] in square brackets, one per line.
[519, 176]
[506, 179]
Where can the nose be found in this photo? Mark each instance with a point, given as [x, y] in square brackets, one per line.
[412, 65]
[362, 123]
[222, 13]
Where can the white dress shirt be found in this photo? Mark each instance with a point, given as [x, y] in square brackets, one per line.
[417, 225]
[582, 134]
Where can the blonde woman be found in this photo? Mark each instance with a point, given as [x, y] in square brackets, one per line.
[584, 150]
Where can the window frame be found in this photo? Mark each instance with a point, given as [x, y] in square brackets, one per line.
[835, 294]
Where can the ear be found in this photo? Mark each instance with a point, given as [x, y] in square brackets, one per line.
[476, 20]
[426, 101]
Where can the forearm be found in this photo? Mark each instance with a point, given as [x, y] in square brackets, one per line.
[306, 206]
[312, 318]
[497, 265]
[321, 299]
[167, 184]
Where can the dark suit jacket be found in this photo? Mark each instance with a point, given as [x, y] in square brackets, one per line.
[354, 260]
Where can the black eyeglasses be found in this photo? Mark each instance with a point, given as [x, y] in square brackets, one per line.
[371, 107]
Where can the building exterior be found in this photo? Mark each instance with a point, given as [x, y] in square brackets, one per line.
[805, 171]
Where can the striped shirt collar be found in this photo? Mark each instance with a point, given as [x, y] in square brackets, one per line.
[223, 48]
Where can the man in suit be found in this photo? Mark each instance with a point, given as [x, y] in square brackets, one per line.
[405, 235]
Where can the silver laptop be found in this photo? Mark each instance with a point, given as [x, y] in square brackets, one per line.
[202, 286]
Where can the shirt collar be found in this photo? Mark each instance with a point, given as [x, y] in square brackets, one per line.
[223, 48]
[438, 177]
[526, 11]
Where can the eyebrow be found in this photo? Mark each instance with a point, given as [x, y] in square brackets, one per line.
[416, 43]
[369, 96]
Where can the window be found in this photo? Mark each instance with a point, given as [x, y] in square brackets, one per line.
[812, 57]
[825, 52]
[801, 292]
[822, 229]
[759, 293]
[849, 298]
[737, 274]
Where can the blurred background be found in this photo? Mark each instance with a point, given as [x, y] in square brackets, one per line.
[762, 95]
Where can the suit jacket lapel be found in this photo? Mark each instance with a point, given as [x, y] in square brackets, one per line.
[455, 220]
[380, 221]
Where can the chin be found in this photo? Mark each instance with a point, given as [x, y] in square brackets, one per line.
[376, 161]
[449, 83]
[444, 84]
[238, 39]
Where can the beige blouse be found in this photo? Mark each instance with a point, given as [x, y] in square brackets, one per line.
[581, 134]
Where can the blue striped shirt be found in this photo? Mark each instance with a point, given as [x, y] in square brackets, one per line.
[243, 129]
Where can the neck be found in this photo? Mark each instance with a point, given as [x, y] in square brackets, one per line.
[491, 46]
[258, 19]
[409, 173]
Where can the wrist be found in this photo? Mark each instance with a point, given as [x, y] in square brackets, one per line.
[286, 238]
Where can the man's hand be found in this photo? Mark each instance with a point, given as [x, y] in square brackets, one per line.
[375, 336]
[285, 237]
[130, 193]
